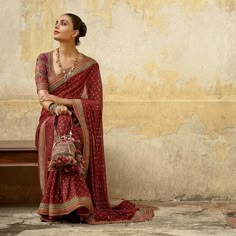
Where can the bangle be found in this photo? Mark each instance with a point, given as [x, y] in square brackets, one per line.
[51, 107]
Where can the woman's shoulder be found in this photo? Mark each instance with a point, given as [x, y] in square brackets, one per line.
[44, 56]
[90, 59]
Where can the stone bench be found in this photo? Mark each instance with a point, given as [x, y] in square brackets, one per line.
[19, 181]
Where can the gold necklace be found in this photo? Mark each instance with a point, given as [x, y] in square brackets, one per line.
[66, 75]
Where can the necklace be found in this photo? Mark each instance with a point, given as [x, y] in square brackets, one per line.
[66, 75]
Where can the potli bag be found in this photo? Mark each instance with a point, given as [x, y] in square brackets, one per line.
[64, 156]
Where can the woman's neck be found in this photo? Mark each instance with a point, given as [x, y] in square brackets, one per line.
[67, 50]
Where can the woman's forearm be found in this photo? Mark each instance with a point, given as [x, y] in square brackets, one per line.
[45, 104]
[62, 101]
[44, 96]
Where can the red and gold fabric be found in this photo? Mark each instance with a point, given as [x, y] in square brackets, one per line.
[77, 196]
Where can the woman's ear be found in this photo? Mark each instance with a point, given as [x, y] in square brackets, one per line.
[75, 34]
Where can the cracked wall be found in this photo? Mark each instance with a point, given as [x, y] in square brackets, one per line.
[168, 71]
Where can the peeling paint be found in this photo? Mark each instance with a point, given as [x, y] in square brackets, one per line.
[156, 119]
[38, 17]
[148, 9]
[164, 84]
[179, 164]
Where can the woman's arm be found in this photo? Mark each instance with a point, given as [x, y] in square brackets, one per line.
[44, 104]
[53, 104]
[45, 97]
[50, 104]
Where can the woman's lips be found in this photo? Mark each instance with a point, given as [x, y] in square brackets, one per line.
[56, 32]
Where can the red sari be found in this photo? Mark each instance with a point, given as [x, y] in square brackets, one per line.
[77, 196]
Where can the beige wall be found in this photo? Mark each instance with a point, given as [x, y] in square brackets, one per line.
[169, 76]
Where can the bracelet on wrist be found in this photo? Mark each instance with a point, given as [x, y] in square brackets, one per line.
[51, 107]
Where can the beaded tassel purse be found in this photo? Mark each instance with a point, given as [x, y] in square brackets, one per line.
[65, 156]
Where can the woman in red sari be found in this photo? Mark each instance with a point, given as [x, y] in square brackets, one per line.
[69, 86]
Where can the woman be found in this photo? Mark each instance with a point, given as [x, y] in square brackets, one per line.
[69, 87]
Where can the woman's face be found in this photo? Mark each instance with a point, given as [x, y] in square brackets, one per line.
[64, 30]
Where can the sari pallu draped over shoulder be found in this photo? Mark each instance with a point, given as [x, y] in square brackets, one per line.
[89, 198]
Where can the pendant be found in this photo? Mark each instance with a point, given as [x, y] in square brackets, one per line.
[65, 77]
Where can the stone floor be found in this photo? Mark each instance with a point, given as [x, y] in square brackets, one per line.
[171, 219]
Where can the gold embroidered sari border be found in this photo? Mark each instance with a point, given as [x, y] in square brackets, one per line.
[58, 79]
[42, 156]
[142, 214]
[55, 209]
[42, 86]
[78, 109]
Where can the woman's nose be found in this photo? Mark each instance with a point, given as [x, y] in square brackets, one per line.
[57, 26]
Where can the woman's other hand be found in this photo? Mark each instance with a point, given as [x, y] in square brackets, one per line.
[61, 109]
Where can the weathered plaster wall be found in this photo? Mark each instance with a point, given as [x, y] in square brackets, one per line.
[168, 70]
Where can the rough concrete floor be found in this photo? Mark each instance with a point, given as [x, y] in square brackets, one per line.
[171, 219]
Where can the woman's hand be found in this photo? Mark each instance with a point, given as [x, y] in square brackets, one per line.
[61, 109]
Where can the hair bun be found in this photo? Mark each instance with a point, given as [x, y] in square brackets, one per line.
[82, 30]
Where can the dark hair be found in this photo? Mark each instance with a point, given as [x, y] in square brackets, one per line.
[78, 24]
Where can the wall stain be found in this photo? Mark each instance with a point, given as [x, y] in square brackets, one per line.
[103, 10]
[155, 119]
[162, 84]
[155, 106]
[221, 150]
[228, 5]
[189, 8]
[148, 9]
[224, 142]
[39, 17]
